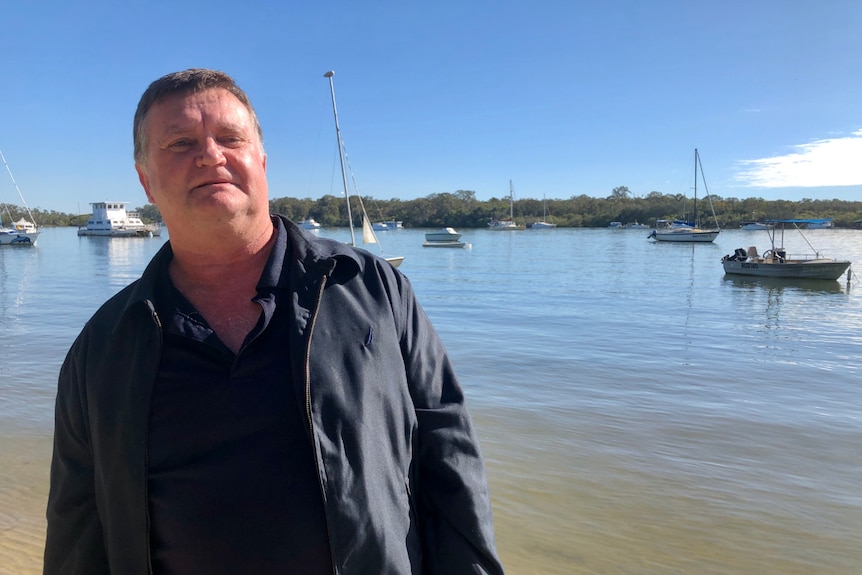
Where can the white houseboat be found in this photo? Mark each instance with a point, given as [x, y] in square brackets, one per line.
[112, 219]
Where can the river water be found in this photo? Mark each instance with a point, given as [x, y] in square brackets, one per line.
[640, 412]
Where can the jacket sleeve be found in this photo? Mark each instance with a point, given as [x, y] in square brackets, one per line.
[74, 543]
[451, 489]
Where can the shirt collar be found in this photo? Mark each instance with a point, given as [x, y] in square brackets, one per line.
[275, 271]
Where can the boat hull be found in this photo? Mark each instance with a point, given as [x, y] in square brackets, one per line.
[444, 244]
[822, 269]
[684, 235]
[16, 238]
[153, 231]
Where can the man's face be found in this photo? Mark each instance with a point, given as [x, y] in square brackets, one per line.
[204, 162]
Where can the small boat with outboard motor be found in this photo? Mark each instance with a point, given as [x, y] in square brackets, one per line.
[777, 263]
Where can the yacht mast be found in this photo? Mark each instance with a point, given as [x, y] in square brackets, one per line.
[696, 223]
[329, 75]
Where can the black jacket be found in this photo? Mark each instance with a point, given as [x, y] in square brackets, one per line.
[398, 460]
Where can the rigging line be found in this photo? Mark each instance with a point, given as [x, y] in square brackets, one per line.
[708, 195]
[11, 218]
[357, 194]
[332, 178]
[20, 195]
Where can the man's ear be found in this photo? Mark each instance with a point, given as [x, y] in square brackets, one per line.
[145, 182]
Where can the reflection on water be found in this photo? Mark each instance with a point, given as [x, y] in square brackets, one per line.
[640, 411]
[17, 264]
[780, 284]
[118, 259]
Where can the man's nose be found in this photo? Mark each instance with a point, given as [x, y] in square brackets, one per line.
[211, 153]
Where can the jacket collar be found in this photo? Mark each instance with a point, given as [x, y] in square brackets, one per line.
[310, 256]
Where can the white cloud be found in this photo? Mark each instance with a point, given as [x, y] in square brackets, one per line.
[832, 162]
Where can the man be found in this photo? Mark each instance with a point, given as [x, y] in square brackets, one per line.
[260, 400]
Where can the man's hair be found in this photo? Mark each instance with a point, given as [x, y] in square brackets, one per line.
[193, 80]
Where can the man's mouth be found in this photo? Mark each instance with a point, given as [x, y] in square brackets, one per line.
[211, 183]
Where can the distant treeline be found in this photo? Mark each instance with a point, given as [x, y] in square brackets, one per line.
[461, 209]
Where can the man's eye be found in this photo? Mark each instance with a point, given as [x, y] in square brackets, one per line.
[179, 145]
[231, 140]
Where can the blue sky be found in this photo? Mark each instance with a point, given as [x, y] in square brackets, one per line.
[563, 97]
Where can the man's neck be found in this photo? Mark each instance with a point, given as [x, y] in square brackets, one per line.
[221, 263]
[221, 285]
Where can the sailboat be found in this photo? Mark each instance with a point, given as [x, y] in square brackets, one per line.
[23, 232]
[368, 235]
[680, 231]
[543, 223]
[507, 225]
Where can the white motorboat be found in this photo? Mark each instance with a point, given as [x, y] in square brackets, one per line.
[672, 231]
[388, 225]
[111, 219]
[820, 224]
[509, 224]
[309, 223]
[368, 235]
[443, 238]
[636, 226]
[23, 232]
[752, 226]
[443, 235]
[777, 263]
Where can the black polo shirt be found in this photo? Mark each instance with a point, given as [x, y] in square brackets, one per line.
[232, 479]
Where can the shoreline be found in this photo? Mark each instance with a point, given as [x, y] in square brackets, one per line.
[24, 474]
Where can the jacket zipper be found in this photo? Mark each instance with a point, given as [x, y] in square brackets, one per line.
[158, 323]
[317, 463]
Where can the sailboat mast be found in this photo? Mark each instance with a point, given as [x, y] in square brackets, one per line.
[329, 75]
[511, 201]
[696, 223]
